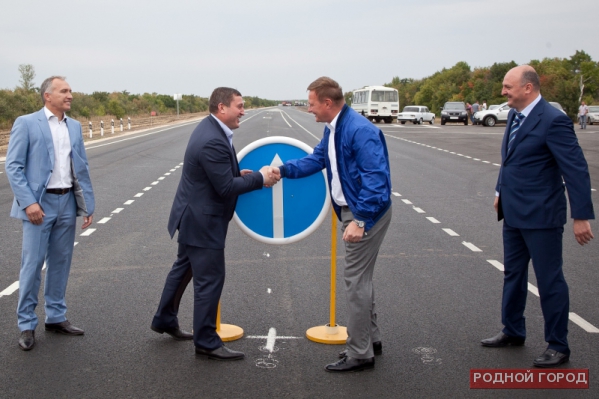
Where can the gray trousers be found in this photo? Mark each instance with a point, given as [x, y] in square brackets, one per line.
[360, 257]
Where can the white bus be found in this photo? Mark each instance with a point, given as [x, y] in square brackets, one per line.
[377, 103]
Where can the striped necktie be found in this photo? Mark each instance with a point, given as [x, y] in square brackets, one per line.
[518, 118]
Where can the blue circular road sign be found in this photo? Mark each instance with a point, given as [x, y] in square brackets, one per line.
[290, 210]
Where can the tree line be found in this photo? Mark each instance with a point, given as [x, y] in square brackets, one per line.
[567, 81]
[26, 98]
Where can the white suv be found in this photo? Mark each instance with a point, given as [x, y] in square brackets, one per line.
[593, 115]
[491, 117]
[416, 114]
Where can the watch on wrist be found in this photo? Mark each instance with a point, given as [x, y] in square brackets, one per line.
[360, 223]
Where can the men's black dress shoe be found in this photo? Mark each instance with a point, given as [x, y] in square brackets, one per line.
[376, 346]
[27, 340]
[222, 353]
[176, 333]
[502, 340]
[64, 327]
[349, 364]
[551, 358]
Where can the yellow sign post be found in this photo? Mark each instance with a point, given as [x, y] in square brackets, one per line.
[227, 332]
[331, 333]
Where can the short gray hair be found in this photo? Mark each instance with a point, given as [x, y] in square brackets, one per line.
[47, 87]
[533, 78]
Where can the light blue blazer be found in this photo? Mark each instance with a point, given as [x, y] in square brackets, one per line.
[30, 161]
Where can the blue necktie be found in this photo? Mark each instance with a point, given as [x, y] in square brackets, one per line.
[514, 130]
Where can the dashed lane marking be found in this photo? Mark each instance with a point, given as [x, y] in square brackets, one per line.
[87, 232]
[405, 201]
[432, 219]
[138, 195]
[118, 210]
[419, 210]
[128, 202]
[451, 233]
[103, 220]
[471, 246]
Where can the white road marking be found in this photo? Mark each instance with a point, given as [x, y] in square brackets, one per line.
[466, 156]
[592, 189]
[585, 325]
[272, 338]
[154, 183]
[118, 210]
[405, 201]
[87, 232]
[181, 163]
[10, 289]
[307, 131]
[177, 167]
[452, 233]
[453, 153]
[161, 178]
[419, 210]
[533, 289]
[285, 119]
[475, 159]
[103, 220]
[471, 246]
[129, 202]
[266, 337]
[432, 219]
[496, 164]
[167, 174]
[138, 195]
[147, 188]
[173, 170]
[486, 162]
[268, 291]
[397, 194]
[497, 264]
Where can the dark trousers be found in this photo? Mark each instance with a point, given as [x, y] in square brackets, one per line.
[544, 247]
[207, 269]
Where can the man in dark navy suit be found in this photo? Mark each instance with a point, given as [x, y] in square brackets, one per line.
[539, 153]
[204, 204]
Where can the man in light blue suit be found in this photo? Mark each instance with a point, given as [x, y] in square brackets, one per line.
[540, 155]
[48, 172]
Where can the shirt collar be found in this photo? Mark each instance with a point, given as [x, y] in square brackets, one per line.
[530, 106]
[333, 123]
[228, 131]
[49, 115]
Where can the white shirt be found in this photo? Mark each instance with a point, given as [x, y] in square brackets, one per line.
[583, 110]
[61, 175]
[336, 191]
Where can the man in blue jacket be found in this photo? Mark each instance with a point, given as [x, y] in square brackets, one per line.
[48, 172]
[539, 153]
[355, 155]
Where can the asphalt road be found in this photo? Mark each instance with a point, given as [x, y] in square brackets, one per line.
[437, 281]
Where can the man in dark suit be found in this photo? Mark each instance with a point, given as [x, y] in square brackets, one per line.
[204, 204]
[539, 153]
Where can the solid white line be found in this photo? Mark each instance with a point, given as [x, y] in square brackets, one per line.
[138, 195]
[307, 131]
[533, 289]
[87, 232]
[118, 210]
[497, 264]
[154, 183]
[129, 202]
[270, 341]
[397, 194]
[147, 188]
[451, 233]
[471, 246]
[585, 325]
[10, 289]
[104, 220]
[432, 219]
[266, 337]
[285, 119]
[405, 201]
[419, 210]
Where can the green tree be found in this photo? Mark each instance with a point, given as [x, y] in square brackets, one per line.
[27, 73]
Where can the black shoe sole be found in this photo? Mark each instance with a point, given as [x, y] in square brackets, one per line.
[220, 358]
[548, 366]
[62, 332]
[350, 371]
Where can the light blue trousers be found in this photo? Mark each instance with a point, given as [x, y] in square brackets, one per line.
[52, 242]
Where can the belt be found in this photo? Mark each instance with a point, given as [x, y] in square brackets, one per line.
[59, 191]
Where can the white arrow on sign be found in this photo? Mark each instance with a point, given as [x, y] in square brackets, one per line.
[278, 228]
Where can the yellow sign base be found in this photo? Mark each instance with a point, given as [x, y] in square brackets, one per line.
[327, 335]
[229, 332]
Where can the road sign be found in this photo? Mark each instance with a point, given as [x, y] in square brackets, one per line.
[293, 208]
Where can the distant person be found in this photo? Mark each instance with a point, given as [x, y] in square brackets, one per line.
[469, 111]
[583, 110]
[539, 153]
[484, 106]
[354, 153]
[204, 204]
[48, 172]
[475, 108]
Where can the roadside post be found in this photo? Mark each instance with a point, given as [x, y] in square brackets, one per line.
[121, 124]
[178, 97]
[90, 129]
[129, 122]
[101, 128]
[112, 126]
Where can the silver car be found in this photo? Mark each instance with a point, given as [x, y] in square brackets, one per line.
[593, 115]
[491, 117]
[417, 114]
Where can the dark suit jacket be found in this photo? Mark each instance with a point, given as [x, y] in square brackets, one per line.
[530, 185]
[209, 187]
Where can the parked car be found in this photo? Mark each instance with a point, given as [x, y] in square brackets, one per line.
[558, 106]
[593, 115]
[493, 106]
[416, 114]
[491, 117]
[454, 111]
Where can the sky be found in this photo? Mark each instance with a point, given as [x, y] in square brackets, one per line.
[275, 49]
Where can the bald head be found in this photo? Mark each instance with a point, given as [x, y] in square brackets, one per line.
[521, 86]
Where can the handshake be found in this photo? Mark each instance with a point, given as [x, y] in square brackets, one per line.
[271, 175]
